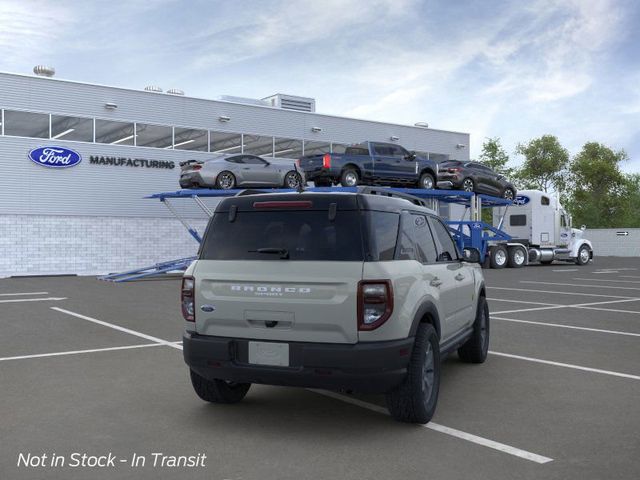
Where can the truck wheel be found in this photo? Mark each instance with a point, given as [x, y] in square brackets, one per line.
[218, 391]
[508, 194]
[475, 349]
[426, 181]
[225, 180]
[517, 257]
[415, 399]
[583, 255]
[499, 256]
[349, 178]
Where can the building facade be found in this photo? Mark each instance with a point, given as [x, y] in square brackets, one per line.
[85, 213]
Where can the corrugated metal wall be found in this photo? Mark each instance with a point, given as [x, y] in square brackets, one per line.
[615, 242]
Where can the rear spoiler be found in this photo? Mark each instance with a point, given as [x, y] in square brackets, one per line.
[189, 162]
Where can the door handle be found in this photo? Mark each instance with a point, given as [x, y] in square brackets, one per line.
[459, 277]
[246, 168]
[436, 282]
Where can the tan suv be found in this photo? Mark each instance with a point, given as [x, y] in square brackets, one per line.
[362, 292]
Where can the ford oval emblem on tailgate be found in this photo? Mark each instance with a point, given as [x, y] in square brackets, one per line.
[55, 157]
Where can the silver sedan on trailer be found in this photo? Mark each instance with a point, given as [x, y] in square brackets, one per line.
[241, 170]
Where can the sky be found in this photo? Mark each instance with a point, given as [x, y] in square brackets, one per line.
[509, 69]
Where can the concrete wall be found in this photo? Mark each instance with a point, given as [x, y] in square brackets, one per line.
[610, 242]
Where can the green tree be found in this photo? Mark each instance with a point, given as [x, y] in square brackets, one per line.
[599, 192]
[545, 164]
[495, 157]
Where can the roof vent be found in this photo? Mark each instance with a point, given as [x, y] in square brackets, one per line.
[153, 88]
[291, 102]
[175, 91]
[44, 71]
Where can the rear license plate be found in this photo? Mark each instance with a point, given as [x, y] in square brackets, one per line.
[267, 353]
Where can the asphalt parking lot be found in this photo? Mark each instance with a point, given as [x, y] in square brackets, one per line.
[94, 367]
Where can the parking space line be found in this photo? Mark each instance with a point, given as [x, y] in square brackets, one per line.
[573, 327]
[608, 309]
[521, 301]
[531, 309]
[485, 442]
[577, 305]
[566, 365]
[579, 294]
[629, 276]
[76, 352]
[119, 328]
[567, 270]
[580, 285]
[606, 280]
[25, 293]
[47, 299]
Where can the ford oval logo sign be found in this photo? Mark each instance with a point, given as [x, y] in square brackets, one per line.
[521, 200]
[55, 157]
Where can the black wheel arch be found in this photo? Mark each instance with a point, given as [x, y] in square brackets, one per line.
[352, 166]
[430, 171]
[427, 313]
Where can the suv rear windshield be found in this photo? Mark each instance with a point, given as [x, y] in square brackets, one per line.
[304, 235]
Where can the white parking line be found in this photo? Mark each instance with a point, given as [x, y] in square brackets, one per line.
[485, 442]
[527, 290]
[47, 299]
[573, 327]
[567, 270]
[27, 293]
[587, 306]
[76, 352]
[119, 328]
[580, 285]
[606, 280]
[532, 309]
[566, 365]
[629, 276]
[521, 301]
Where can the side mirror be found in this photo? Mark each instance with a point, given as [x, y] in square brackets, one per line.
[583, 228]
[411, 156]
[471, 255]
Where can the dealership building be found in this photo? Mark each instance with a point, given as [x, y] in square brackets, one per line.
[120, 145]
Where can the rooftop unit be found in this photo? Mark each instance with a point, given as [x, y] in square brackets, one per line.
[291, 102]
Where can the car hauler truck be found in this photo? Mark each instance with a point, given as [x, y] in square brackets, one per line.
[540, 231]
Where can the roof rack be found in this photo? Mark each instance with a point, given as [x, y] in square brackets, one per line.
[387, 192]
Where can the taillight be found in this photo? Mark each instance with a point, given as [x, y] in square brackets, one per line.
[298, 163]
[454, 170]
[375, 303]
[326, 161]
[186, 297]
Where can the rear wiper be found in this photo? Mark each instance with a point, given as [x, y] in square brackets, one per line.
[283, 252]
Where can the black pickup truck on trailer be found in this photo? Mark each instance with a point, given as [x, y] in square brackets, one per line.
[370, 163]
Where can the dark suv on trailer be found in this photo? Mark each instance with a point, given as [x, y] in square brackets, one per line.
[474, 177]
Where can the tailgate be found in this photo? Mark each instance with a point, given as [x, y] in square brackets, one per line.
[312, 301]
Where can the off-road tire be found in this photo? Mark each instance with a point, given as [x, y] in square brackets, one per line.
[579, 258]
[221, 180]
[475, 349]
[425, 178]
[514, 260]
[346, 176]
[409, 402]
[218, 391]
[497, 260]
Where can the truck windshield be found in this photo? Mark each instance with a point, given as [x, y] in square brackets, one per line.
[303, 235]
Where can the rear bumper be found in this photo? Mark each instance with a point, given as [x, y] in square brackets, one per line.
[320, 173]
[373, 367]
[188, 180]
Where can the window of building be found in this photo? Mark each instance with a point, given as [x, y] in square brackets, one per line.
[316, 148]
[71, 128]
[287, 148]
[224, 142]
[157, 136]
[115, 133]
[190, 139]
[517, 220]
[338, 148]
[26, 124]
[258, 145]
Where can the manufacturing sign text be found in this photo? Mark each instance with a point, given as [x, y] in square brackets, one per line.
[131, 162]
[55, 157]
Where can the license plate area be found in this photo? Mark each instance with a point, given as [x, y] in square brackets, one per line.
[269, 353]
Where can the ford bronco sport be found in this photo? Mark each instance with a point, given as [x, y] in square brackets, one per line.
[359, 291]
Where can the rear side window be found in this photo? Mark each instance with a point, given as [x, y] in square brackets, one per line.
[304, 235]
[357, 151]
[416, 242]
[517, 220]
[383, 228]
[447, 251]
